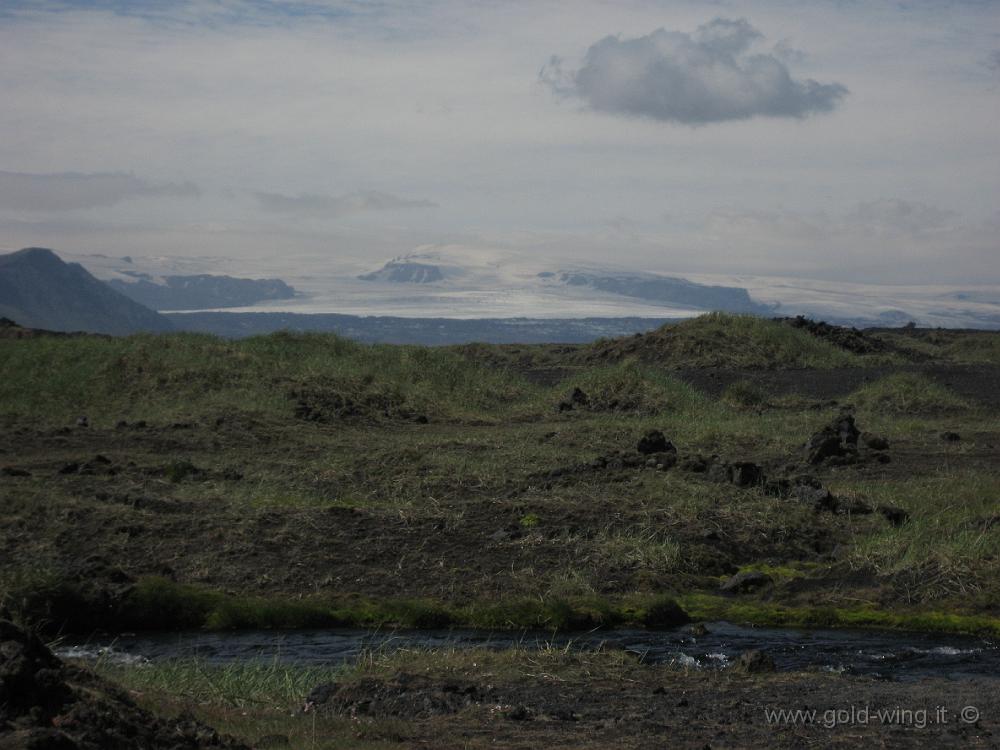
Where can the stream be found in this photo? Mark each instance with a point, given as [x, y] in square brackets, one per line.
[884, 654]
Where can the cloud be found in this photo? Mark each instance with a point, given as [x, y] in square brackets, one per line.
[68, 191]
[337, 205]
[694, 79]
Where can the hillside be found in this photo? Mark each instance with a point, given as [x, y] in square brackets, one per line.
[187, 482]
[39, 290]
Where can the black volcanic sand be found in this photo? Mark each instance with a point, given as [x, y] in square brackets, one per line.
[667, 709]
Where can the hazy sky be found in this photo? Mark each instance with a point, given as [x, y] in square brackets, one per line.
[850, 140]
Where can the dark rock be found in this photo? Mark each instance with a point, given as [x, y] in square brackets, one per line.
[746, 474]
[819, 497]
[664, 612]
[319, 695]
[70, 468]
[664, 461]
[850, 339]
[950, 437]
[82, 421]
[13, 471]
[882, 458]
[696, 464]
[520, 712]
[822, 446]
[875, 442]
[754, 661]
[749, 580]
[718, 471]
[54, 706]
[895, 516]
[121, 424]
[654, 441]
[698, 630]
[838, 440]
[855, 507]
[846, 429]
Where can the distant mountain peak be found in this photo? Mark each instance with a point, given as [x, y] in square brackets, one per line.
[33, 255]
[405, 271]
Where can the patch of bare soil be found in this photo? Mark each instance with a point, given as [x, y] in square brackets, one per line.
[668, 708]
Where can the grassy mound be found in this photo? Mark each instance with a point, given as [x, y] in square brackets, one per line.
[906, 393]
[632, 388]
[723, 340]
[325, 376]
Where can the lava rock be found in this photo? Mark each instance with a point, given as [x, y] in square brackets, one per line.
[819, 497]
[665, 613]
[654, 441]
[838, 440]
[875, 442]
[696, 464]
[896, 516]
[746, 474]
[950, 437]
[576, 399]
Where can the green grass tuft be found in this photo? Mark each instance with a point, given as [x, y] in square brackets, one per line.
[906, 393]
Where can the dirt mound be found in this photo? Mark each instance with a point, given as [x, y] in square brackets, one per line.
[328, 405]
[405, 695]
[47, 704]
[851, 339]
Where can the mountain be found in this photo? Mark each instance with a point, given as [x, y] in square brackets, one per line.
[200, 291]
[405, 272]
[39, 290]
[663, 290]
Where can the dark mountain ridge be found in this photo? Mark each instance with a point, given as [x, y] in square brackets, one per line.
[665, 290]
[39, 290]
[200, 291]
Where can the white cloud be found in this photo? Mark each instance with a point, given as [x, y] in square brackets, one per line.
[67, 191]
[694, 79]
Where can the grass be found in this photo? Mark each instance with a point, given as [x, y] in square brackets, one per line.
[907, 393]
[745, 394]
[188, 375]
[243, 685]
[370, 517]
[950, 546]
[633, 388]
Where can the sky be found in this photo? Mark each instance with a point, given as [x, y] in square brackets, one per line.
[829, 139]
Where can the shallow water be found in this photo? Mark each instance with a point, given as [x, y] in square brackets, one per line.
[889, 655]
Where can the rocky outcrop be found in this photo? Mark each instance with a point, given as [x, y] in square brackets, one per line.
[46, 704]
